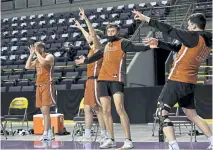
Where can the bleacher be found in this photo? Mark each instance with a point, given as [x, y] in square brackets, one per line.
[55, 29]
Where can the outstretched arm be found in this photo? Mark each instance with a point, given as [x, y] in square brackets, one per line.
[128, 46]
[83, 60]
[188, 38]
[155, 43]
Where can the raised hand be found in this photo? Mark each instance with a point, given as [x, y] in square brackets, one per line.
[140, 16]
[77, 24]
[80, 60]
[32, 49]
[151, 42]
[82, 13]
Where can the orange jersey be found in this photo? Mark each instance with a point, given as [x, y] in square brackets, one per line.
[187, 62]
[114, 63]
[44, 73]
[93, 69]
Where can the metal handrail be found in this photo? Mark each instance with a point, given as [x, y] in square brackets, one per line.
[186, 16]
[138, 29]
[175, 2]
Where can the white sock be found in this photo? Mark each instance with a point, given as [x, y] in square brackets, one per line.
[103, 133]
[87, 133]
[173, 145]
[50, 132]
[45, 133]
[210, 140]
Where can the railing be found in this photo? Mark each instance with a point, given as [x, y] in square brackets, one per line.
[137, 36]
[137, 31]
[150, 14]
[176, 2]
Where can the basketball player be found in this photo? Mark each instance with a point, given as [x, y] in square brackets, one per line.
[91, 96]
[196, 46]
[111, 81]
[45, 89]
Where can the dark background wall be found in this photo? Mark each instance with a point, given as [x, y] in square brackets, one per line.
[140, 103]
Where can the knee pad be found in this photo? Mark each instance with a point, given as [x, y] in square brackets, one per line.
[167, 124]
[166, 108]
[160, 109]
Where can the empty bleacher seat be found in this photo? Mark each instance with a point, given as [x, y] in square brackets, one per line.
[68, 82]
[14, 89]
[60, 87]
[5, 77]
[81, 68]
[60, 63]
[28, 76]
[32, 82]
[3, 89]
[23, 83]
[9, 83]
[28, 88]
[77, 86]
[14, 77]
[82, 81]
[84, 74]
[72, 75]
[57, 75]
[12, 66]
[68, 69]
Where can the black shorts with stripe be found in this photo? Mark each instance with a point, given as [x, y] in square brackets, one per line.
[178, 92]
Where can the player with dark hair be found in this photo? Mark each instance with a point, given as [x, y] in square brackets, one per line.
[195, 46]
[111, 80]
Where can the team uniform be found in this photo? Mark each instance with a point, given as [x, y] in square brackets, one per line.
[45, 92]
[91, 95]
[195, 47]
[112, 75]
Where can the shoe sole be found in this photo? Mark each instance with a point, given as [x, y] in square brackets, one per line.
[47, 139]
[113, 146]
[124, 148]
[127, 148]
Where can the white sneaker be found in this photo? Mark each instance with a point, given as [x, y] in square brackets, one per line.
[173, 148]
[108, 143]
[44, 138]
[51, 137]
[101, 139]
[210, 147]
[86, 139]
[127, 144]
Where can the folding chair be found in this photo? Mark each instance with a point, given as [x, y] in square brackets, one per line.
[184, 121]
[17, 112]
[3, 126]
[79, 120]
[179, 121]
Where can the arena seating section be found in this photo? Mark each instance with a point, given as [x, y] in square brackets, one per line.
[55, 29]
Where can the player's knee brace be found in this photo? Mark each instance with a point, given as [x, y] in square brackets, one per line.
[166, 108]
[161, 107]
[166, 124]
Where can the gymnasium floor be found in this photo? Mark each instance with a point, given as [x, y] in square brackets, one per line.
[141, 136]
